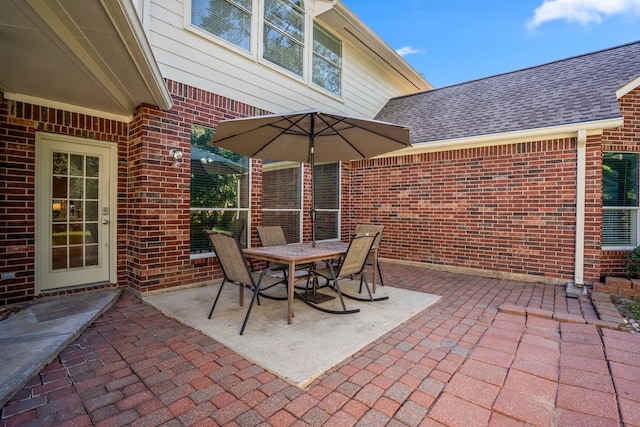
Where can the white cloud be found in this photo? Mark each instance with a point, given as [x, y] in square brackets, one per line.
[581, 11]
[408, 50]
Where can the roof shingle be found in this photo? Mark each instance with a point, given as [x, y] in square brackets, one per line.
[574, 90]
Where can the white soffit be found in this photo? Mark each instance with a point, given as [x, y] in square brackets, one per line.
[90, 56]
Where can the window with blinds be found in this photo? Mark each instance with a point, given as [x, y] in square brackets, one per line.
[327, 60]
[283, 37]
[620, 207]
[228, 19]
[219, 193]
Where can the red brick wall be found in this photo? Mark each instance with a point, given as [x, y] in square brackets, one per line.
[157, 196]
[153, 195]
[508, 208]
[626, 138]
[19, 123]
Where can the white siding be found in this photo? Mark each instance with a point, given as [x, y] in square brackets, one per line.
[195, 59]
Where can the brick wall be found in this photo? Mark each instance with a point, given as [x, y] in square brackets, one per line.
[507, 209]
[19, 123]
[626, 138]
[157, 196]
[153, 195]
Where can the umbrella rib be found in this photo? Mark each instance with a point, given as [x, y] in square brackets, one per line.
[352, 125]
[346, 120]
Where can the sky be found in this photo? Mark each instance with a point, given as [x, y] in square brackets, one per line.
[454, 41]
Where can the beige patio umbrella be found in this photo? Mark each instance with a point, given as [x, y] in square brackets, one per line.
[310, 136]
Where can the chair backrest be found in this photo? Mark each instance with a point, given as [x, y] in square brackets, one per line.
[356, 255]
[237, 228]
[371, 229]
[229, 254]
[271, 235]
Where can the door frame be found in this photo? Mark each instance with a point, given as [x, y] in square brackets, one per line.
[112, 191]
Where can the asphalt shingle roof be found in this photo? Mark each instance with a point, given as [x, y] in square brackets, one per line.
[574, 90]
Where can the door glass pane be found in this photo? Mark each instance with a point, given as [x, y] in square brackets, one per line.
[59, 210]
[59, 235]
[91, 255]
[75, 209]
[59, 186]
[59, 258]
[60, 165]
[76, 187]
[75, 256]
[76, 165]
[91, 213]
[92, 188]
[93, 166]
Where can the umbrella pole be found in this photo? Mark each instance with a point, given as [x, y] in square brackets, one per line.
[313, 188]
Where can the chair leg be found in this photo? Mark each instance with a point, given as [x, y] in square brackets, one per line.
[216, 300]
[363, 279]
[379, 272]
[253, 300]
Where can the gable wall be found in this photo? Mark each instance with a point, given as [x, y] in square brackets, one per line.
[192, 56]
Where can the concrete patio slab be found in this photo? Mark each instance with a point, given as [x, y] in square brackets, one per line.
[312, 344]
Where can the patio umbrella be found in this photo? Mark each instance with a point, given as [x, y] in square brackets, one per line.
[310, 136]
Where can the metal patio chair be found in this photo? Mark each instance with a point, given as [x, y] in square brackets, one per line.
[236, 271]
[273, 235]
[371, 229]
[352, 264]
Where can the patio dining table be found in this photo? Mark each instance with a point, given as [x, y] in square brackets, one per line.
[301, 253]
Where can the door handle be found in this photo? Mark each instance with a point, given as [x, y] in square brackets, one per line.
[105, 221]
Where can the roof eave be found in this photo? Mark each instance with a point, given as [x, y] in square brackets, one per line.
[125, 19]
[628, 87]
[562, 131]
[356, 31]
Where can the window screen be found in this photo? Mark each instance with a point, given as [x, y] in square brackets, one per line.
[620, 199]
[228, 19]
[327, 60]
[283, 37]
[219, 191]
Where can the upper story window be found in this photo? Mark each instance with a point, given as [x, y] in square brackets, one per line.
[280, 39]
[228, 19]
[327, 60]
[283, 36]
[620, 205]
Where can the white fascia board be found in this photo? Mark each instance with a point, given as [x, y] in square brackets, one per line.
[551, 132]
[628, 87]
[348, 24]
[124, 16]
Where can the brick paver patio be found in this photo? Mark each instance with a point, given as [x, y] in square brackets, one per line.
[491, 352]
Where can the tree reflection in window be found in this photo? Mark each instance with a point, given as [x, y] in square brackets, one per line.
[219, 190]
[283, 37]
[228, 19]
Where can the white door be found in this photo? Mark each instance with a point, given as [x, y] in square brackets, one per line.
[75, 218]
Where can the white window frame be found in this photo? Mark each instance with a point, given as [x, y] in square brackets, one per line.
[254, 53]
[634, 212]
